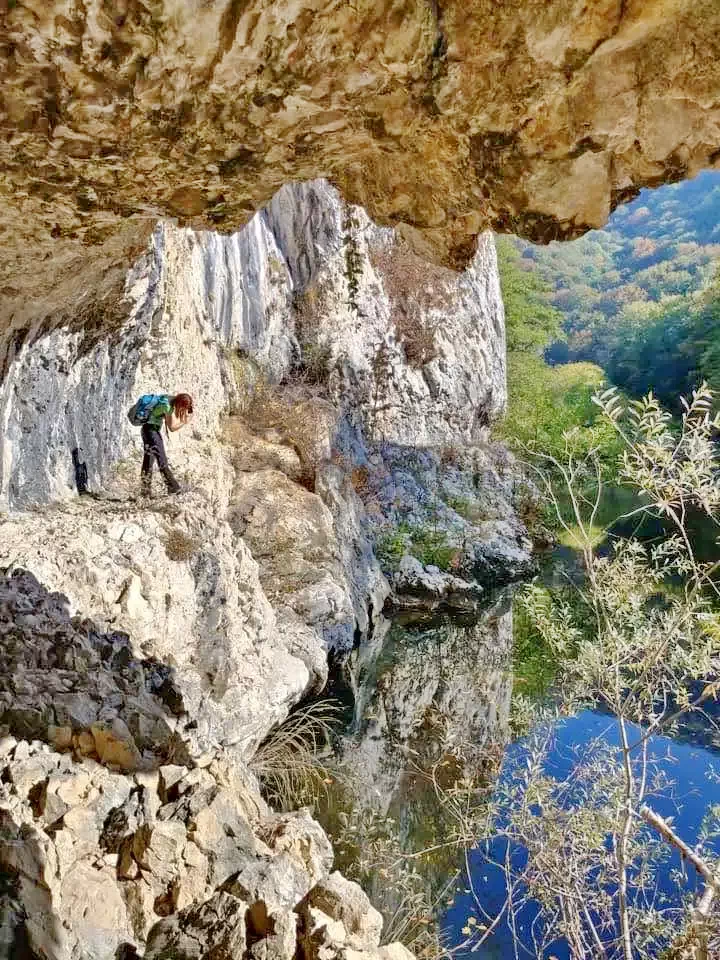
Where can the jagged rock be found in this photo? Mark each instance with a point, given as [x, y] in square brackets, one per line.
[215, 930]
[222, 833]
[345, 901]
[290, 532]
[440, 501]
[60, 670]
[170, 774]
[302, 641]
[428, 585]
[274, 936]
[70, 830]
[223, 600]
[299, 835]
[321, 937]
[279, 882]
[501, 552]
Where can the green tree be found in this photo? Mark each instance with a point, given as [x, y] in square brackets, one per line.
[531, 322]
[648, 651]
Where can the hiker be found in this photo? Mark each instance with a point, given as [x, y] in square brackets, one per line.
[150, 412]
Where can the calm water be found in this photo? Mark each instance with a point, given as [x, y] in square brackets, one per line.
[422, 690]
[687, 764]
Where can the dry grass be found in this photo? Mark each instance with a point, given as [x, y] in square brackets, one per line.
[360, 479]
[450, 456]
[292, 764]
[414, 288]
[316, 354]
[296, 414]
[180, 546]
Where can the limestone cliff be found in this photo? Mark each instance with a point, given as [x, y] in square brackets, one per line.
[536, 116]
[149, 646]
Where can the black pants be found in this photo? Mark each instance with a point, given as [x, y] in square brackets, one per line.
[155, 451]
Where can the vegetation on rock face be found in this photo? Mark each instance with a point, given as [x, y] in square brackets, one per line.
[415, 289]
[180, 546]
[293, 762]
[296, 412]
[428, 545]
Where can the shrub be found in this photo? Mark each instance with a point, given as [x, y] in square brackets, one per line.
[359, 478]
[468, 508]
[315, 355]
[426, 544]
[391, 547]
[353, 258]
[450, 456]
[534, 513]
[431, 547]
[179, 545]
[294, 411]
[291, 762]
[414, 288]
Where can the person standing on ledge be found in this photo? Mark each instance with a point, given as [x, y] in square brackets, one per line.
[150, 412]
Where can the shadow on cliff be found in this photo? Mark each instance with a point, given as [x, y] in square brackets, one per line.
[66, 682]
[21, 856]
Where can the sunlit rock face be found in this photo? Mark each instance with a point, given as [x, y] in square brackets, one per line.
[536, 116]
[310, 285]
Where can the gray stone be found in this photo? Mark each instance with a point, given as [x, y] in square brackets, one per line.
[279, 882]
[347, 902]
[214, 930]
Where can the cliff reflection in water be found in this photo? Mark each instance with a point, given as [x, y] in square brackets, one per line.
[428, 706]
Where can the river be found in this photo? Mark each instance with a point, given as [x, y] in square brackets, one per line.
[428, 704]
[691, 770]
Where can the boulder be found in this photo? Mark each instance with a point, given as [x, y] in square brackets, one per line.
[417, 585]
[345, 901]
[214, 930]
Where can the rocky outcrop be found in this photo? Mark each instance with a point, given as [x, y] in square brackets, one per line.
[444, 118]
[445, 521]
[310, 285]
[150, 645]
[110, 818]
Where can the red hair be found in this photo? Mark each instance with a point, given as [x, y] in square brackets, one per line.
[182, 403]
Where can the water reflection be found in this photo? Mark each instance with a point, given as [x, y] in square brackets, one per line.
[428, 707]
[691, 769]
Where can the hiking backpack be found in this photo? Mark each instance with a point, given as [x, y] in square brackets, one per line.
[139, 412]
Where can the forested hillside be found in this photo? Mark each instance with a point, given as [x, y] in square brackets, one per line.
[639, 298]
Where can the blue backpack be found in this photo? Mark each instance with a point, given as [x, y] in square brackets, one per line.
[139, 412]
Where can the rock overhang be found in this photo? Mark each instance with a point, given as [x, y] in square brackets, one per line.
[442, 118]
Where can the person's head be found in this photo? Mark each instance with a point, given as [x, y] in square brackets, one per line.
[182, 405]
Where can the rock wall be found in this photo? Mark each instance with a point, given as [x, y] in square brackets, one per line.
[194, 299]
[151, 645]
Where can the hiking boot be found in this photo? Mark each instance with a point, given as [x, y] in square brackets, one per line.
[170, 482]
[146, 487]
